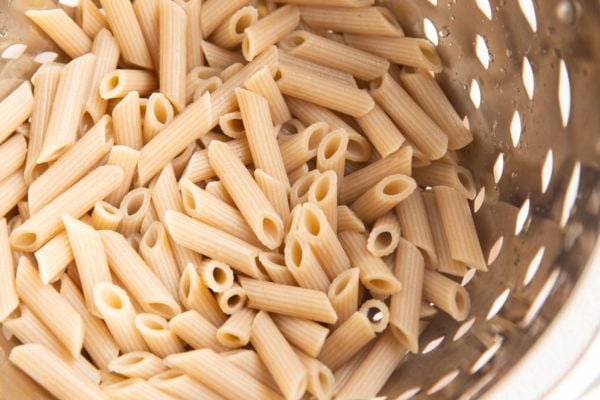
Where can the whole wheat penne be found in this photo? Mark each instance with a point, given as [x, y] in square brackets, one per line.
[105, 216]
[118, 313]
[232, 125]
[331, 3]
[215, 12]
[331, 154]
[374, 274]
[276, 191]
[305, 85]
[297, 173]
[445, 263]
[359, 148]
[320, 380]
[126, 158]
[235, 332]
[45, 302]
[106, 50]
[193, 13]
[443, 174]
[459, 227]
[133, 207]
[290, 127]
[212, 135]
[348, 220]
[90, 258]
[54, 257]
[378, 314]
[180, 385]
[343, 78]
[259, 213]
[382, 197]
[222, 376]
[50, 369]
[159, 112]
[195, 330]
[70, 99]
[175, 137]
[263, 84]
[137, 364]
[343, 294]
[71, 166]
[217, 275]
[134, 389]
[127, 122]
[9, 299]
[158, 336]
[12, 155]
[250, 362]
[381, 131]
[427, 93]
[335, 55]
[413, 121]
[62, 30]
[126, 28]
[173, 53]
[302, 187]
[230, 33]
[147, 14]
[119, 82]
[303, 264]
[218, 57]
[367, 21]
[45, 82]
[374, 371]
[134, 241]
[145, 287]
[415, 228]
[89, 18]
[156, 250]
[13, 189]
[347, 340]
[306, 335]
[384, 236]
[97, 340]
[324, 193]
[269, 30]
[303, 146]
[194, 295]
[287, 300]
[230, 71]
[358, 182]
[447, 295]
[232, 300]
[274, 265]
[78, 199]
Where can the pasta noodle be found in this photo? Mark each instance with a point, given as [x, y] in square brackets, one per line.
[173, 53]
[303, 146]
[332, 3]
[331, 155]
[324, 193]
[382, 197]
[193, 12]
[232, 300]
[137, 364]
[269, 30]
[444, 174]
[297, 173]
[12, 155]
[377, 313]
[9, 299]
[384, 236]
[120, 82]
[146, 12]
[250, 362]
[159, 112]
[367, 21]
[180, 385]
[348, 220]
[194, 295]
[195, 330]
[263, 84]
[274, 266]
[134, 389]
[320, 378]
[275, 191]
[106, 50]
[217, 275]
[230, 33]
[127, 122]
[215, 12]
[235, 332]
[126, 158]
[343, 78]
[89, 18]
[232, 125]
[303, 265]
[230, 71]
[381, 131]
[306, 335]
[447, 295]
[220, 58]
[13, 189]
[344, 293]
[133, 208]
[158, 335]
[156, 251]
[105, 216]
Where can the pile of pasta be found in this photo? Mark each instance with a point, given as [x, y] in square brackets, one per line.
[233, 199]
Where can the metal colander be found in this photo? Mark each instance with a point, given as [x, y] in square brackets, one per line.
[526, 75]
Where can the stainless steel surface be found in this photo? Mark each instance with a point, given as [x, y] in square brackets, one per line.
[536, 163]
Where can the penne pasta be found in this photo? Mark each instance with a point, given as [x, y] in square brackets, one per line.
[297, 173]
[446, 295]
[126, 158]
[76, 162]
[127, 122]
[344, 293]
[137, 364]
[67, 109]
[320, 380]
[367, 21]
[217, 57]
[9, 300]
[180, 385]
[97, 341]
[235, 332]
[269, 30]
[133, 207]
[288, 300]
[331, 3]
[263, 84]
[415, 228]
[381, 131]
[195, 330]
[89, 18]
[331, 155]
[106, 50]
[124, 25]
[332, 54]
[57, 24]
[250, 362]
[193, 13]
[53, 373]
[230, 33]
[173, 52]
[303, 265]
[159, 112]
[215, 12]
[52, 309]
[274, 266]
[323, 192]
[13, 189]
[382, 197]
[232, 300]
[232, 125]
[444, 174]
[217, 275]
[230, 71]
[343, 78]
[459, 227]
[276, 191]
[119, 82]
[144, 286]
[194, 295]
[105, 216]
[158, 336]
[303, 146]
[377, 313]
[384, 236]
[348, 220]
[134, 389]
[147, 14]
[156, 251]
[254, 206]
[12, 155]
[374, 274]
[306, 335]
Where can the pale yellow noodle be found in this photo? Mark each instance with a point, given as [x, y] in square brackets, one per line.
[173, 52]
[348, 220]
[232, 300]
[193, 12]
[384, 236]
[446, 295]
[274, 265]
[158, 335]
[368, 21]
[276, 191]
[196, 331]
[215, 12]
[302, 147]
[126, 158]
[331, 155]
[344, 293]
[89, 17]
[235, 332]
[180, 385]
[134, 389]
[127, 122]
[230, 33]
[381, 131]
[263, 84]
[12, 155]
[146, 12]
[159, 112]
[377, 313]
[446, 174]
[306, 335]
[137, 364]
[382, 197]
[57, 24]
[218, 57]
[195, 295]
[119, 82]
[106, 50]
[303, 264]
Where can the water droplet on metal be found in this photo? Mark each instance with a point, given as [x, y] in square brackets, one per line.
[444, 32]
[452, 18]
[566, 12]
[509, 53]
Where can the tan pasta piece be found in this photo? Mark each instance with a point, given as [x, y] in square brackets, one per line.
[415, 124]
[13, 189]
[218, 57]
[377, 313]
[348, 220]
[346, 340]
[274, 266]
[381, 131]
[306, 335]
[344, 293]
[343, 374]
[120, 82]
[276, 191]
[9, 300]
[126, 158]
[159, 112]
[89, 18]
[235, 332]
[106, 50]
[146, 12]
[263, 84]
[173, 52]
[193, 12]
[299, 192]
[250, 362]
[133, 207]
[215, 12]
[133, 389]
[303, 264]
[331, 155]
[178, 384]
[222, 376]
[57, 24]
[232, 125]
[335, 55]
[303, 146]
[324, 193]
[67, 109]
[196, 331]
[288, 300]
[459, 227]
[232, 300]
[374, 274]
[54, 257]
[230, 33]
[340, 77]
[15, 109]
[414, 223]
[320, 378]
[384, 236]
[279, 357]
[447, 295]
[297, 173]
[217, 275]
[444, 174]
[137, 364]
[158, 335]
[382, 197]
[127, 122]
[126, 28]
[12, 155]
[367, 21]
[194, 295]
[269, 30]
[52, 309]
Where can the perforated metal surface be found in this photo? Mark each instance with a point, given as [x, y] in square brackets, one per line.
[530, 89]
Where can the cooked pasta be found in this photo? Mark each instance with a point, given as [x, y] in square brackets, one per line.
[308, 336]
[172, 52]
[340, 77]
[377, 313]
[195, 330]
[133, 207]
[235, 332]
[158, 335]
[384, 236]
[269, 30]
[324, 193]
[119, 82]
